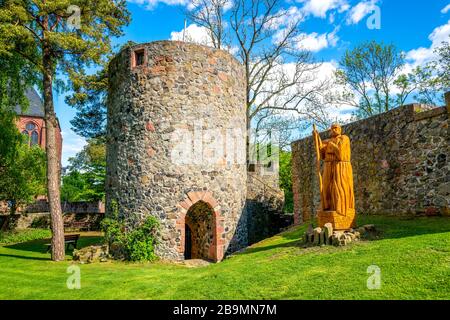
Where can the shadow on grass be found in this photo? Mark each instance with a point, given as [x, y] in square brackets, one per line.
[24, 257]
[249, 250]
[388, 227]
[40, 246]
[402, 227]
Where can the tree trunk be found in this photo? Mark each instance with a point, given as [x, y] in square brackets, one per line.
[53, 163]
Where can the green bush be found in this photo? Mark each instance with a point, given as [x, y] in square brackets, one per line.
[42, 222]
[137, 244]
[140, 243]
[18, 236]
[286, 180]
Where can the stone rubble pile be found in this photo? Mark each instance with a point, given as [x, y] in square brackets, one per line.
[98, 253]
[327, 236]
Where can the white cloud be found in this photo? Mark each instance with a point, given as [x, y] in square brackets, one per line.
[319, 8]
[423, 55]
[199, 35]
[362, 9]
[193, 33]
[420, 56]
[440, 34]
[446, 9]
[315, 42]
[72, 144]
[285, 17]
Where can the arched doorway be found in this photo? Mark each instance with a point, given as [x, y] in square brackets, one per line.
[199, 231]
[195, 203]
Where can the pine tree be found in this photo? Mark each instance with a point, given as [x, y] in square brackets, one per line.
[59, 37]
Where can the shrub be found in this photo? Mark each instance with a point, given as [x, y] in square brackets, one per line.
[140, 243]
[137, 244]
[42, 222]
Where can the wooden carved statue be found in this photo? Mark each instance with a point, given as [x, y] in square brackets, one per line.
[337, 198]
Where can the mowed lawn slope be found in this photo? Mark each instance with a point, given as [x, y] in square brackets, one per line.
[413, 256]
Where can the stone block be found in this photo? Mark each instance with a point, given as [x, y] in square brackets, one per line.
[97, 253]
[186, 204]
[150, 127]
[317, 235]
[323, 240]
[328, 233]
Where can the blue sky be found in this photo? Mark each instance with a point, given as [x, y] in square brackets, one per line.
[330, 27]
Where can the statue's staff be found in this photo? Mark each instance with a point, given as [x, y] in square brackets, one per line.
[317, 144]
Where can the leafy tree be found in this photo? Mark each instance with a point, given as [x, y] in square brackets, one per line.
[11, 138]
[86, 179]
[422, 83]
[16, 75]
[92, 155]
[78, 186]
[286, 180]
[89, 98]
[433, 79]
[59, 37]
[443, 64]
[72, 184]
[22, 175]
[370, 71]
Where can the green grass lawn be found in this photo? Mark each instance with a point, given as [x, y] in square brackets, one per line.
[413, 255]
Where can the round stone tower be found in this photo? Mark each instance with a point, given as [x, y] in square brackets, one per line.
[176, 146]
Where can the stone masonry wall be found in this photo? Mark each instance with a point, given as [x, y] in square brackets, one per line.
[66, 207]
[265, 202]
[85, 221]
[156, 90]
[400, 163]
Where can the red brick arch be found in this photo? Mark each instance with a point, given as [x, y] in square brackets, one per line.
[38, 122]
[216, 249]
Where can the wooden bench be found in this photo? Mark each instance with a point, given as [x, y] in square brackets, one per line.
[69, 239]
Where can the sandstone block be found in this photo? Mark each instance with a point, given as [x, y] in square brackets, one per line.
[97, 253]
[328, 232]
[317, 235]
